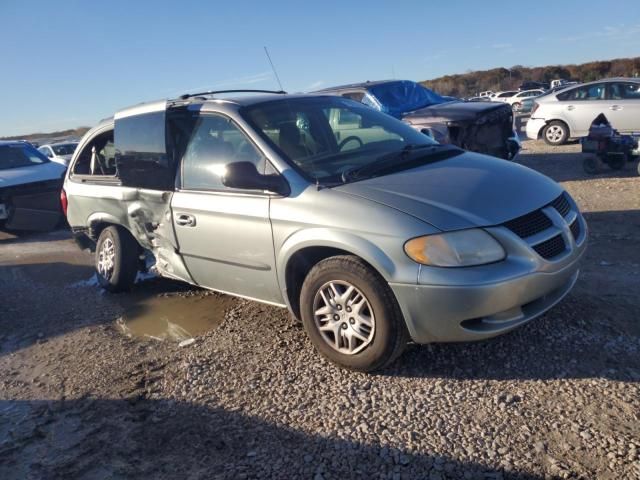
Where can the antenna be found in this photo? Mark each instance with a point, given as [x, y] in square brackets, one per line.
[273, 68]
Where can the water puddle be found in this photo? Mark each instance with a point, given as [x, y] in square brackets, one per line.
[174, 317]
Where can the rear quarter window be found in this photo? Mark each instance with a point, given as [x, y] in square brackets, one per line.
[141, 152]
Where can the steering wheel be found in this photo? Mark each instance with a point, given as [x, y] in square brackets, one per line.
[349, 139]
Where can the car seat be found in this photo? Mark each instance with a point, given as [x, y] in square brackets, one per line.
[289, 141]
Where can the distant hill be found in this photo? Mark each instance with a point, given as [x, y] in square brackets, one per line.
[50, 137]
[471, 83]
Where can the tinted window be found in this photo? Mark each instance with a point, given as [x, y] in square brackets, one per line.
[357, 96]
[141, 155]
[20, 155]
[624, 91]
[215, 142]
[588, 92]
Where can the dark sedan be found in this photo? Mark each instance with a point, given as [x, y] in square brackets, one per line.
[484, 127]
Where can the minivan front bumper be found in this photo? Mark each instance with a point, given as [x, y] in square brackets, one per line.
[455, 305]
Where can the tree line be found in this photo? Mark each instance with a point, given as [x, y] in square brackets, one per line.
[497, 79]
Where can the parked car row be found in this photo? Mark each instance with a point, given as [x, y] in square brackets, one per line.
[568, 112]
[59, 152]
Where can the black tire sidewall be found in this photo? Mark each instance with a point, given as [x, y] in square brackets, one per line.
[125, 262]
[381, 301]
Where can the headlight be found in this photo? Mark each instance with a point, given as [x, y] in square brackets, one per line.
[455, 249]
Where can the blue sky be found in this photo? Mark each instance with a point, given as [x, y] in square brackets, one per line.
[69, 63]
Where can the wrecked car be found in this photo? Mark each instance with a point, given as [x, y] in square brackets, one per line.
[30, 186]
[370, 232]
[483, 127]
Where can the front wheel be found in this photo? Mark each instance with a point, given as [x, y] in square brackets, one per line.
[116, 259]
[351, 314]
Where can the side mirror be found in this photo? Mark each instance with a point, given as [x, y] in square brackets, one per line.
[245, 175]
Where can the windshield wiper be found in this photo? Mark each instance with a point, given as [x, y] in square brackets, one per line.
[393, 160]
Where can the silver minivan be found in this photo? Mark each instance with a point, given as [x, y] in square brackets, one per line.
[367, 230]
[566, 113]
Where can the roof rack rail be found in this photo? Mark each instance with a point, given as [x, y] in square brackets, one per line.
[214, 92]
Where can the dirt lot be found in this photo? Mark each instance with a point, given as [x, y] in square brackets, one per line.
[82, 397]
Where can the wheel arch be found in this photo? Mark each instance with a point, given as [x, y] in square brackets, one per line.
[299, 254]
[547, 122]
[99, 221]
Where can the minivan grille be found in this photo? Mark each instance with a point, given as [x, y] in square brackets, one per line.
[575, 229]
[550, 248]
[535, 222]
[561, 204]
[529, 224]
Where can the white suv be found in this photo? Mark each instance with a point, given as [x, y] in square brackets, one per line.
[569, 112]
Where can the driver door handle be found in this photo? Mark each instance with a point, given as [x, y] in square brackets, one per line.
[570, 107]
[185, 220]
[615, 107]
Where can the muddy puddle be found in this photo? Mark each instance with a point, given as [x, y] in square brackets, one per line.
[174, 317]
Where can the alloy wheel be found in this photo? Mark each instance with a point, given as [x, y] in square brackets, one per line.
[344, 317]
[554, 133]
[106, 258]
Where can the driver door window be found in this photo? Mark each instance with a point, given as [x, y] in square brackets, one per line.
[216, 141]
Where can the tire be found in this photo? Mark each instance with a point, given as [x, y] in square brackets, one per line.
[590, 165]
[555, 133]
[616, 162]
[116, 259]
[380, 342]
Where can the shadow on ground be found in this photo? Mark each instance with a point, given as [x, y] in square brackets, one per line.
[567, 166]
[141, 438]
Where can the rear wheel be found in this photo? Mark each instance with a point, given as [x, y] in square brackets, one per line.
[351, 315]
[590, 165]
[616, 162]
[116, 259]
[555, 133]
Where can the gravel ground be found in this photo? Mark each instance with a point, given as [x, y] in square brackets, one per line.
[558, 398]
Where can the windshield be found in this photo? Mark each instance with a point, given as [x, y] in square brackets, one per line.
[20, 155]
[324, 137]
[404, 96]
[64, 148]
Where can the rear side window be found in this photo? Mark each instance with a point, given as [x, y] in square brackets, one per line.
[624, 91]
[97, 158]
[588, 92]
[141, 152]
[215, 142]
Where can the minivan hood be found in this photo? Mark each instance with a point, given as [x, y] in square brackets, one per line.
[469, 190]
